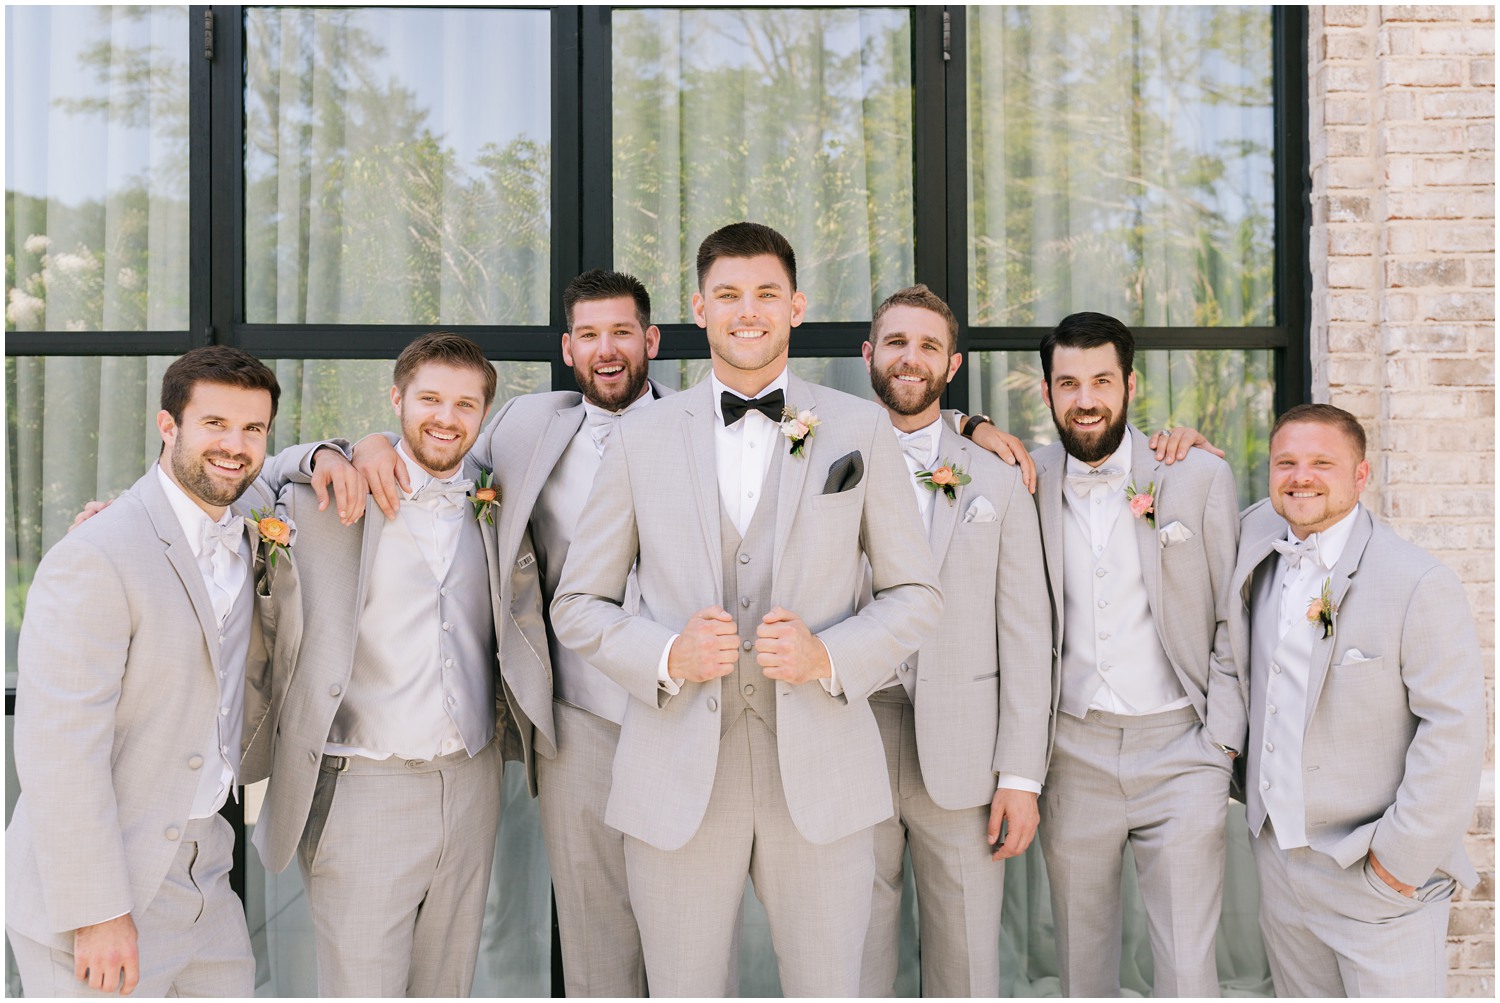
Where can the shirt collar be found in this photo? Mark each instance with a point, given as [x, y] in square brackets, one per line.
[779, 383]
[645, 398]
[1331, 542]
[1120, 459]
[189, 515]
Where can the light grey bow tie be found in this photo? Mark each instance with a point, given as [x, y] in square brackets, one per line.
[601, 424]
[1293, 551]
[438, 494]
[1102, 479]
[917, 445]
[225, 537]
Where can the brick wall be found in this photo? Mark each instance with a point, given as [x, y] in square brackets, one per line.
[1402, 128]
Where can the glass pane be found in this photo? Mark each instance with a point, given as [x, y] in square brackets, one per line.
[96, 168]
[397, 166]
[1225, 394]
[1120, 160]
[800, 119]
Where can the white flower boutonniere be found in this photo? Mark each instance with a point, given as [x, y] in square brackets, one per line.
[798, 427]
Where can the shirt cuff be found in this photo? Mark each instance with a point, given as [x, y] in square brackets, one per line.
[831, 684]
[671, 686]
[1009, 781]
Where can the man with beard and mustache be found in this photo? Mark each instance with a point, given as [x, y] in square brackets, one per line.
[544, 449]
[386, 779]
[964, 719]
[141, 667]
[1149, 703]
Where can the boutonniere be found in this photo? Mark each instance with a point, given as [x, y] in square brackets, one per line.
[276, 535]
[798, 427]
[485, 497]
[947, 478]
[1321, 609]
[1143, 503]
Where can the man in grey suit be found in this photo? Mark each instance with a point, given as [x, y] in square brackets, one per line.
[142, 668]
[1366, 725]
[386, 777]
[1148, 705]
[748, 745]
[964, 719]
[544, 450]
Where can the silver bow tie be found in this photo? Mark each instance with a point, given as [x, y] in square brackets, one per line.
[224, 537]
[917, 445]
[440, 494]
[601, 424]
[1102, 479]
[1293, 551]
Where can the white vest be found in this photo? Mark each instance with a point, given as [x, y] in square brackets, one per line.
[1109, 638]
[1279, 782]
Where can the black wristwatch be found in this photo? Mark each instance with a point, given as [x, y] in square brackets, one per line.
[975, 420]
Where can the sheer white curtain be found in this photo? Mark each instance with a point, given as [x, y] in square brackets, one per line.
[397, 166]
[800, 119]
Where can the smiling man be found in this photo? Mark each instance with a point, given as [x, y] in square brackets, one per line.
[748, 745]
[386, 778]
[138, 643]
[964, 719]
[1149, 707]
[1366, 725]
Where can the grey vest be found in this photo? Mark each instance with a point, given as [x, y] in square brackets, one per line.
[425, 653]
[233, 643]
[1109, 634]
[747, 597]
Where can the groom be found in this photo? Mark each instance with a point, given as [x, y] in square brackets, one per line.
[748, 746]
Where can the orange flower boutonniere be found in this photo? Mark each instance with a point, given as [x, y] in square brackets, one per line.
[485, 497]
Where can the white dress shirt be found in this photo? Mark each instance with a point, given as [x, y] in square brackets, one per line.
[225, 584]
[1286, 684]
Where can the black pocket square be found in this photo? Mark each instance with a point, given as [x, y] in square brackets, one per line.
[844, 473]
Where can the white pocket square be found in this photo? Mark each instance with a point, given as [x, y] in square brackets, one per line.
[1355, 655]
[980, 510]
[1175, 533]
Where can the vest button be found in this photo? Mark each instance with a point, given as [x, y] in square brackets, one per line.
[713, 705]
[1265, 785]
[1104, 635]
[744, 558]
[745, 601]
[1100, 572]
[1271, 708]
[1270, 747]
[334, 690]
[1276, 669]
[1102, 603]
[452, 701]
[746, 645]
[442, 592]
[905, 667]
[173, 833]
[749, 690]
[447, 625]
[195, 762]
[448, 663]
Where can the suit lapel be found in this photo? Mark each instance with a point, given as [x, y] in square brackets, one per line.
[702, 468]
[1049, 493]
[1145, 470]
[374, 526]
[184, 562]
[945, 516]
[793, 468]
[550, 446]
[1339, 581]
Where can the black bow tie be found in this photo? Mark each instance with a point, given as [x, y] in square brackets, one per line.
[736, 407]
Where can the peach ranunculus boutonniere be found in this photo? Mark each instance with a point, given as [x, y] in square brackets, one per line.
[485, 497]
[275, 534]
[947, 478]
[798, 426]
[1321, 608]
[1143, 503]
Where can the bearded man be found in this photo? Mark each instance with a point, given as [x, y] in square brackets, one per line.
[1149, 705]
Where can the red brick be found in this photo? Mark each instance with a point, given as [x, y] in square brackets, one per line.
[1351, 306]
[1405, 237]
[1398, 306]
[1353, 273]
[1347, 78]
[1351, 338]
[1400, 105]
[1346, 111]
[1482, 272]
[1481, 137]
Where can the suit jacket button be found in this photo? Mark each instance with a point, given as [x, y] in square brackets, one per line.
[713, 704]
[195, 762]
[334, 690]
[172, 833]
[905, 667]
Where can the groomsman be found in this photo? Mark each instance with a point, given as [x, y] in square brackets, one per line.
[140, 636]
[1366, 725]
[748, 745]
[386, 778]
[1149, 707]
[964, 719]
[544, 450]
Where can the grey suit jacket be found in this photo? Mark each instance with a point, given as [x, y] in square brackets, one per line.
[1187, 583]
[117, 687]
[1393, 744]
[317, 601]
[981, 686]
[655, 504]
